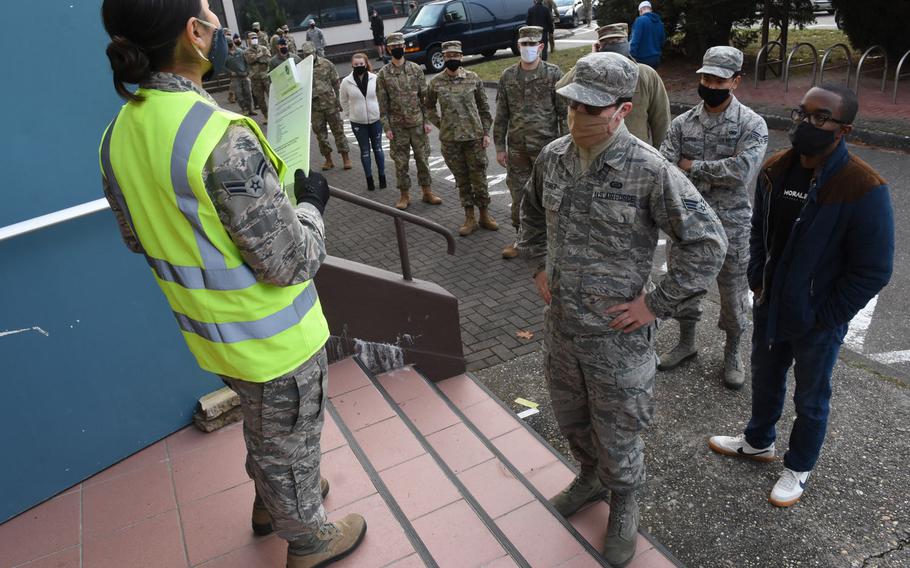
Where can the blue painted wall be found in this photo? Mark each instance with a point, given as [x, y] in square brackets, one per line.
[112, 375]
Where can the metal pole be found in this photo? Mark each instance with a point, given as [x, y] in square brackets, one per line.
[762, 70]
[403, 249]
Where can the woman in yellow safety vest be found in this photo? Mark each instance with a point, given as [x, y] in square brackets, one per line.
[197, 190]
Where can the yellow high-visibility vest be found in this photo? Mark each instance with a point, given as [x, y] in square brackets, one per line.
[153, 156]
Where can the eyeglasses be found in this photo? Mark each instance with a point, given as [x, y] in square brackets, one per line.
[590, 109]
[817, 119]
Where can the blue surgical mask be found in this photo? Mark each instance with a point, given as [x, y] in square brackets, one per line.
[218, 53]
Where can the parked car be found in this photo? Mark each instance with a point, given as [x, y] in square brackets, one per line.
[571, 13]
[482, 26]
[822, 6]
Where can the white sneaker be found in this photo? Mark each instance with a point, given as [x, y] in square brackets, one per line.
[788, 488]
[737, 446]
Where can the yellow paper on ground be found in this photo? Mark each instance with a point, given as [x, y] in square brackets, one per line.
[526, 402]
[288, 131]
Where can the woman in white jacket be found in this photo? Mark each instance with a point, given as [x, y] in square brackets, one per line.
[360, 106]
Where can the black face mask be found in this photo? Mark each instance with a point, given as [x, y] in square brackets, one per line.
[359, 72]
[810, 140]
[283, 50]
[453, 64]
[397, 52]
[713, 97]
[238, 43]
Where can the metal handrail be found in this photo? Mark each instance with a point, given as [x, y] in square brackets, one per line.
[399, 217]
[859, 68]
[848, 65]
[51, 219]
[897, 76]
[790, 58]
[764, 51]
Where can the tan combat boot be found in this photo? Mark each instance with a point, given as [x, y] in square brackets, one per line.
[429, 196]
[511, 251]
[683, 351]
[262, 520]
[622, 529]
[403, 201]
[470, 223]
[487, 221]
[584, 489]
[346, 159]
[328, 165]
[333, 542]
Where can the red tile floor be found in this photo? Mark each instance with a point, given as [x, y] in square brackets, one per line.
[185, 501]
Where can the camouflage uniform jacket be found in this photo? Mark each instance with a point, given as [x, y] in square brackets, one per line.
[529, 113]
[465, 111]
[281, 244]
[292, 43]
[401, 92]
[728, 149]
[236, 63]
[257, 58]
[263, 39]
[597, 230]
[278, 60]
[326, 85]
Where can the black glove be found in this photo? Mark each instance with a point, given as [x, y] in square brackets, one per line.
[311, 189]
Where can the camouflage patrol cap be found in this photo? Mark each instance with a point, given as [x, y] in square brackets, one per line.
[722, 61]
[601, 79]
[396, 38]
[531, 33]
[613, 31]
[451, 47]
[256, 26]
[307, 49]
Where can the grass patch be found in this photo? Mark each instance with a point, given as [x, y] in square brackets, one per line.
[565, 58]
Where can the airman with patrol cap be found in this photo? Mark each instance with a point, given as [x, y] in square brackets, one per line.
[529, 115]
[589, 227]
[720, 144]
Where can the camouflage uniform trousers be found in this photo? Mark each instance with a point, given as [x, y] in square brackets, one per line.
[518, 171]
[732, 284]
[282, 423]
[467, 160]
[322, 120]
[260, 87]
[403, 140]
[243, 92]
[602, 390]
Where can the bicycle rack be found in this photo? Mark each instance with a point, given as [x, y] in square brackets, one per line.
[764, 51]
[848, 64]
[787, 68]
[859, 68]
[897, 75]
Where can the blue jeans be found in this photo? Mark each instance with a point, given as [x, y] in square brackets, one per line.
[814, 355]
[370, 135]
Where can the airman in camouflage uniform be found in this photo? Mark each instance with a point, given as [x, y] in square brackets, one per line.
[529, 115]
[289, 37]
[589, 227]
[463, 124]
[240, 77]
[720, 144]
[257, 60]
[283, 245]
[401, 89]
[650, 116]
[326, 108]
[262, 36]
[282, 54]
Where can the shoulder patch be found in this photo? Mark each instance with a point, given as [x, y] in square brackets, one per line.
[694, 205]
[253, 186]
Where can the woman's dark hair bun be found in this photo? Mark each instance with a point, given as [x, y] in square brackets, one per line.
[129, 63]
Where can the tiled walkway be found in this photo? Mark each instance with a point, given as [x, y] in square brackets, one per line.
[445, 474]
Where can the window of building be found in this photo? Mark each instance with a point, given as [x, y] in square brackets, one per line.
[389, 9]
[295, 13]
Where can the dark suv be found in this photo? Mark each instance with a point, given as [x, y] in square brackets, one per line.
[482, 26]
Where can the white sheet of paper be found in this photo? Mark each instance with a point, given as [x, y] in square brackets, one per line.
[290, 97]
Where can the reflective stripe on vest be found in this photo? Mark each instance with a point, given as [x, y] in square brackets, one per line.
[210, 298]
